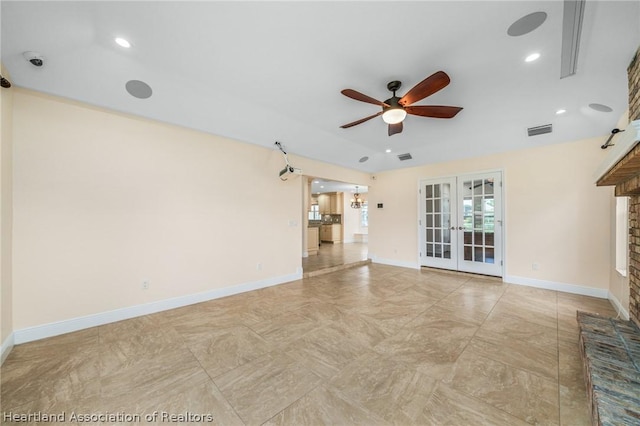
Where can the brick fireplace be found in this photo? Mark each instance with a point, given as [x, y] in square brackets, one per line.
[610, 348]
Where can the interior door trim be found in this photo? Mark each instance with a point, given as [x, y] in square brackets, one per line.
[503, 236]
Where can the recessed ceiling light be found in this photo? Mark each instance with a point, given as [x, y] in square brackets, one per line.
[561, 111]
[321, 186]
[388, 150]
[123, 42]
[363, 159]
[316, 181]
[532, 57]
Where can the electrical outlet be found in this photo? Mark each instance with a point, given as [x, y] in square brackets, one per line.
[145, 285]
[535, 266]
[258, 266]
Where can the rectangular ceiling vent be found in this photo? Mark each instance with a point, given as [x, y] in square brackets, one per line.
[404, 157]
[539, 130]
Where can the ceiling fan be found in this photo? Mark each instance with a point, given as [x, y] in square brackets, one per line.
[395, 109]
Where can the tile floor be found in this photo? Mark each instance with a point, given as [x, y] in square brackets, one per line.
[372, 345]
[333, 256]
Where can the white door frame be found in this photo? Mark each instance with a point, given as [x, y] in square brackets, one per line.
[502, 224]
[438, 262]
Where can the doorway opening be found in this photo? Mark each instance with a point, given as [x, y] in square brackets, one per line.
[336, 233]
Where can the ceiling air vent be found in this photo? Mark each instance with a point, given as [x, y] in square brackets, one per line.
[403, 157]
[539, 130]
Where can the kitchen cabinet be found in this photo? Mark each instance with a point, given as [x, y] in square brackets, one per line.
[331, 233]
[330, 203]
[324, 203]
[313, 240]
[325, 232]
[337, 203]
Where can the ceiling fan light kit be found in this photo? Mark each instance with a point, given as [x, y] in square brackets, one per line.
[395, 109]
[394, 115]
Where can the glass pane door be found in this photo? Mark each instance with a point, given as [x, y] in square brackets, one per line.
[460, 223]
[480, 197]
[438, 213]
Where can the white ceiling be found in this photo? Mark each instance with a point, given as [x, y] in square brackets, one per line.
[266, 71]
[319, 186]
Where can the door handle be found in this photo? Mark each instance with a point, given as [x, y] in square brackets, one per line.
[460, 228]
[453, 228]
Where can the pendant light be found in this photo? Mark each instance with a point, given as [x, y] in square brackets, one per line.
[356, 201]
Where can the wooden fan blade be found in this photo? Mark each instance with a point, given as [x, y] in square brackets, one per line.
[362, 98]
[362, 120]
[426, 87]
[395, 128]
[435, 111]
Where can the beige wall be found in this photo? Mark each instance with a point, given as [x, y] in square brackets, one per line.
[6, 207]
[554, 214]
[104, 201]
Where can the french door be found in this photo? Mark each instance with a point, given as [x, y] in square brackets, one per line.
[461, 223]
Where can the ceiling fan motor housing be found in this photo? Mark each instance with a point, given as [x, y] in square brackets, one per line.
[393, 86]
[393, 103]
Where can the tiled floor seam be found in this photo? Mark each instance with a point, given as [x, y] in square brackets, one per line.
[357, 404]
[512, 366]
[520, 369]
[212, 380]
[481, 324]
[486, 403]
[322, 383]
[541, 376]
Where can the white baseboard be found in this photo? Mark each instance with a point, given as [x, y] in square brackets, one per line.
[624, 314]
[391, 262]
[74, 324]
[601, 293]
[6, 347]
